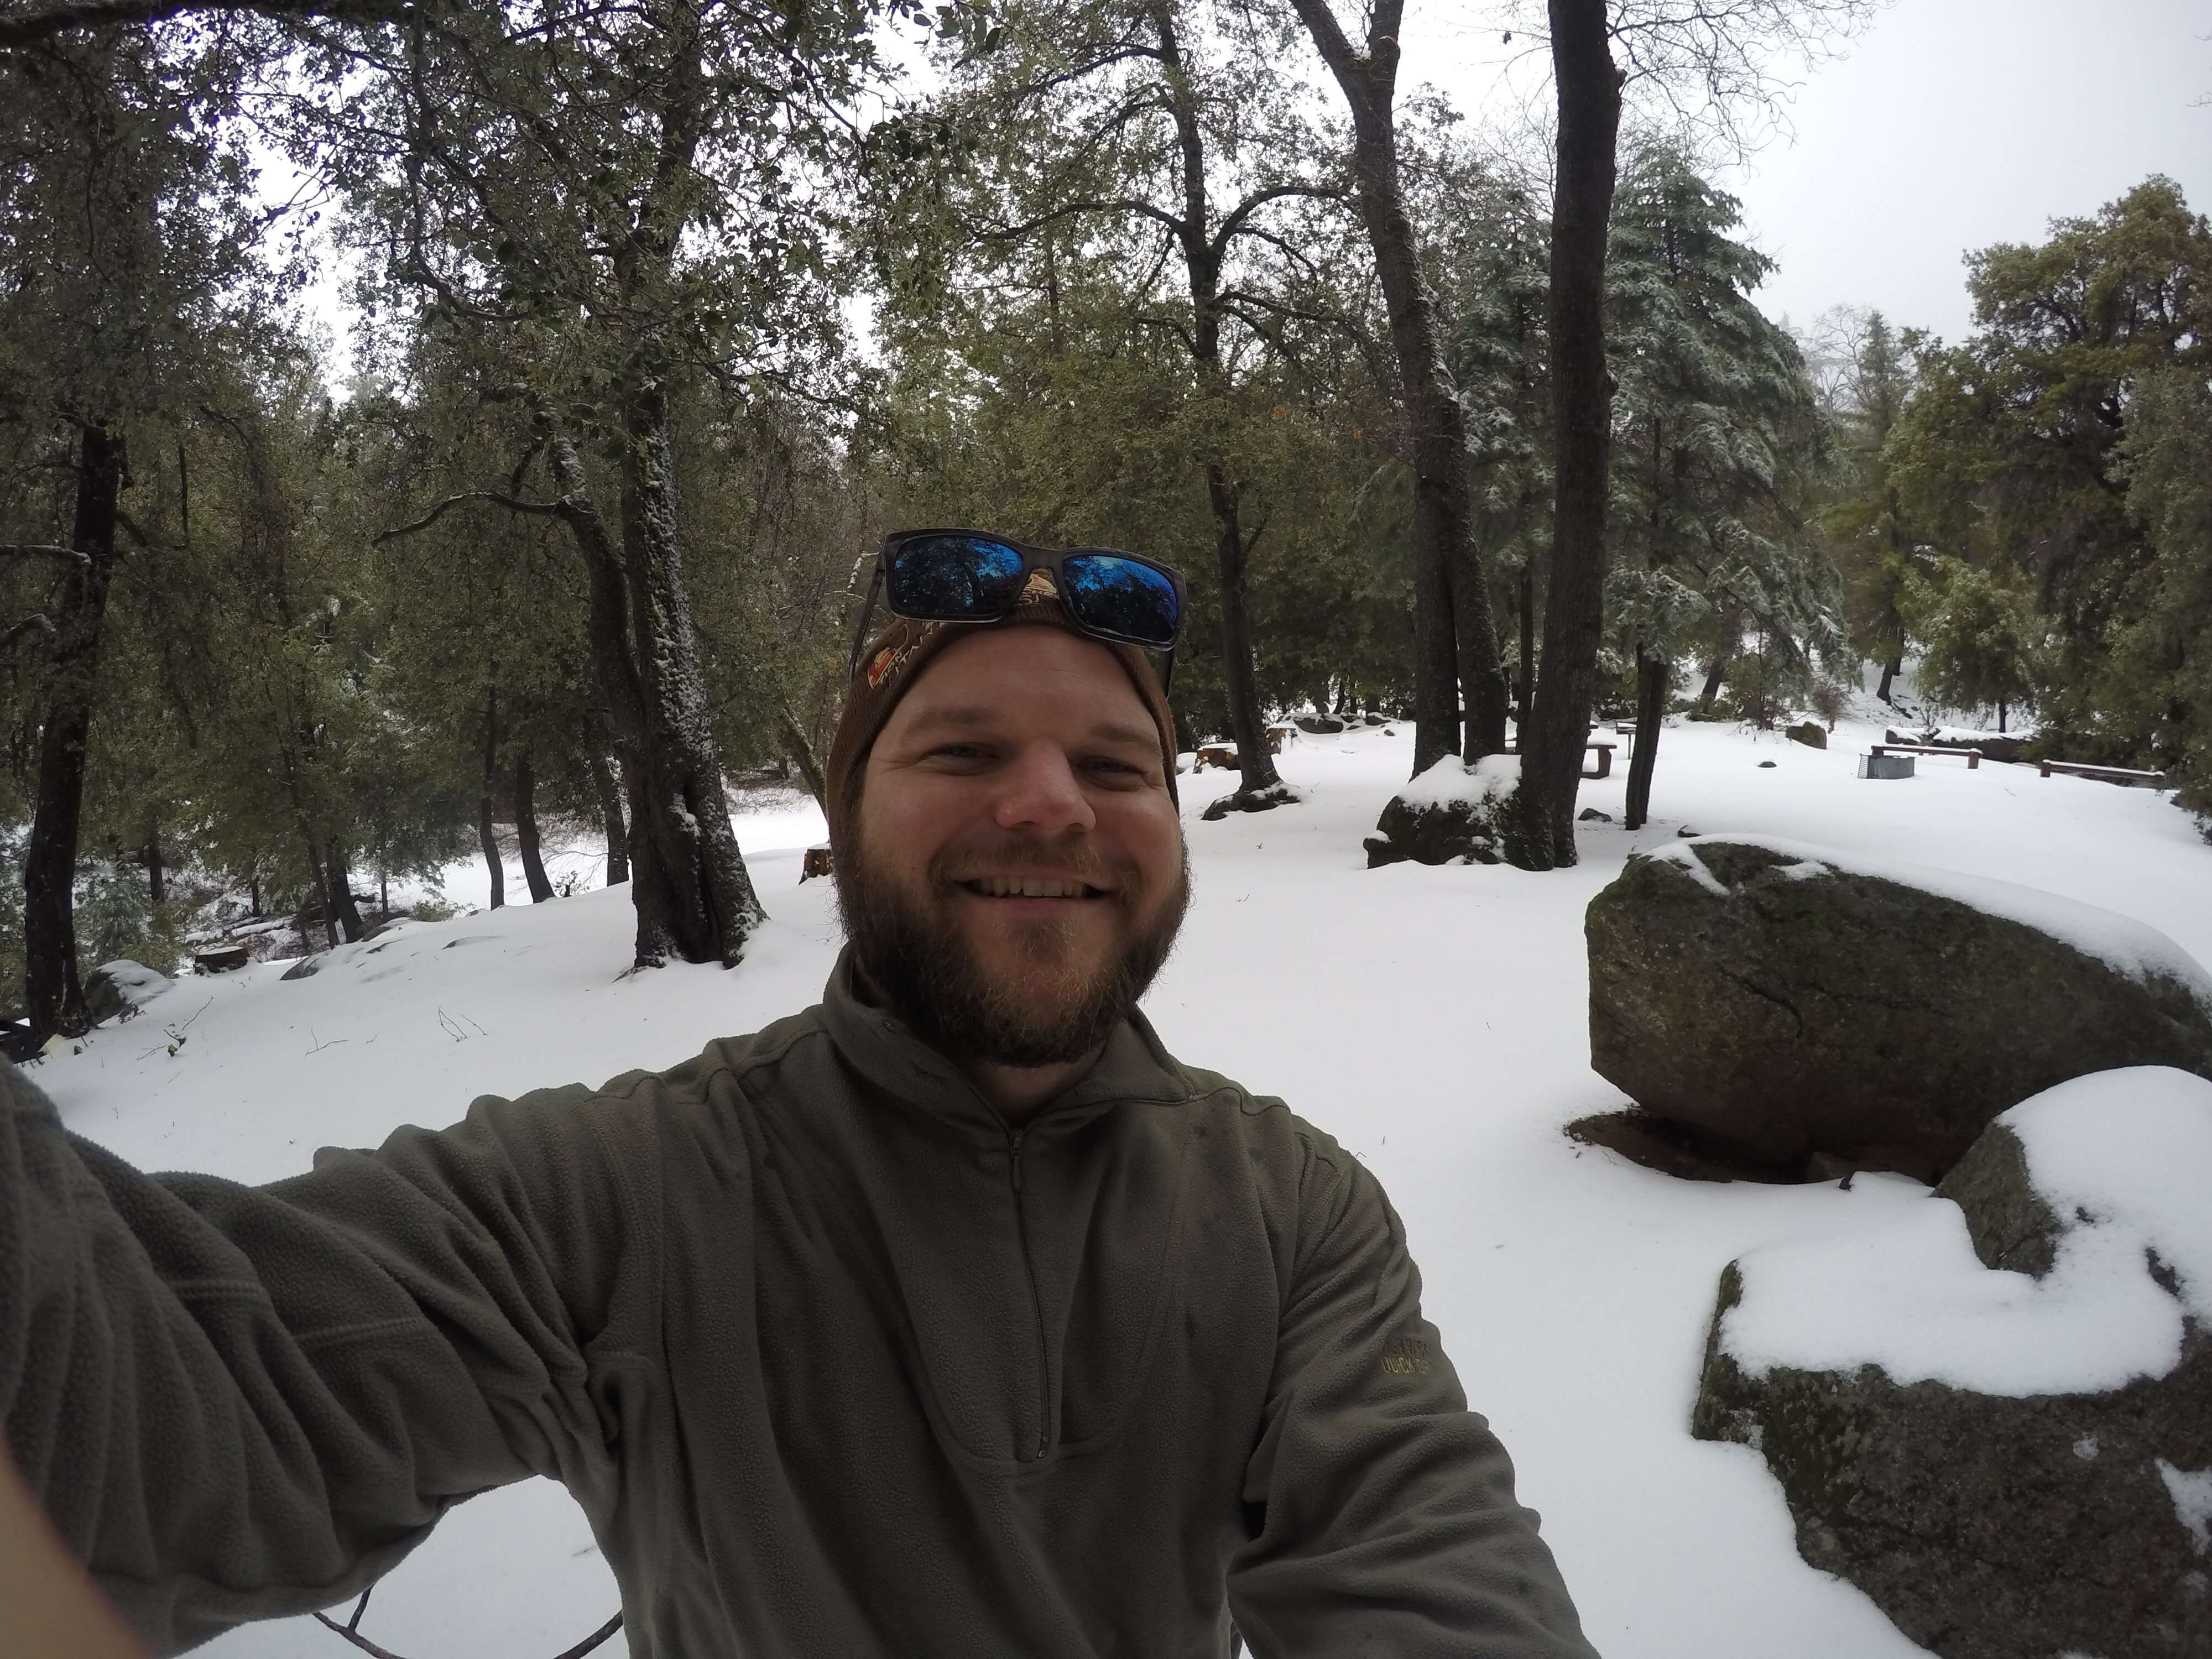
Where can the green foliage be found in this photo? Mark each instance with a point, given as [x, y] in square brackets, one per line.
[2012, 454]
[1981, 636]
[1870, 376]
[1717, 437]
[2159, 683]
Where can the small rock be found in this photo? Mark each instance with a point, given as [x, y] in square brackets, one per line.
[305, 967]
[1811, 734]
[1685, 832]
[1767, 766]
[1591, 815]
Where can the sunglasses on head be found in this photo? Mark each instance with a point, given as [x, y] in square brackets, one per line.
[969, 577]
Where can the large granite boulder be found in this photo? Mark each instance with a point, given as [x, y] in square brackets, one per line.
[2010, 1467]
[1793, 1000]
[1449, 813]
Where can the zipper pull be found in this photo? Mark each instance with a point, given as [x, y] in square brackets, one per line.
[1014, 1156]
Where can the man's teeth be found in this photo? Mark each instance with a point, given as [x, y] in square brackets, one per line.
[1001, 887]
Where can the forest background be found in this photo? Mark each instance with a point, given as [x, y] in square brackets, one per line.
[668, 308]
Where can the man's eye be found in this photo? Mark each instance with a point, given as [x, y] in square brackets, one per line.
[1107, 763]
[962, 751]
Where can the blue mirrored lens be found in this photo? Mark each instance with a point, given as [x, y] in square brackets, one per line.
[953, 579]
[1120, 596]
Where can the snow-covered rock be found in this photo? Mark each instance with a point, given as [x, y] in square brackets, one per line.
[1795, 1000]
[1994, 1415]
[114, 986]
[1449, 813]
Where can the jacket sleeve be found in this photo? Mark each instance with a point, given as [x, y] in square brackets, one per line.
[1383, 1520]
[241, 1402]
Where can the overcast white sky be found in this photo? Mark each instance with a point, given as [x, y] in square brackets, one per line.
[1949, 125]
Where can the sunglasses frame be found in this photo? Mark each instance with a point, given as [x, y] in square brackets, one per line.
[1033, 558]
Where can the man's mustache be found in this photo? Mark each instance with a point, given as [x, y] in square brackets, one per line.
[1015, 856]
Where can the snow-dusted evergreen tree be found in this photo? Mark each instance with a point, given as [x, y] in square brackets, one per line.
[1876, 551]
[1717, 433]
[1498, 255]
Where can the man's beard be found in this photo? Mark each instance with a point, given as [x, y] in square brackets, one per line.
[1048, 1008]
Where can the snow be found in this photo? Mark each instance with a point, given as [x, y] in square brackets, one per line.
[1573, 1289]
[1447, 781]
[2127, 946]
[2191, 1492]
[138, 983]
[2128, 1153]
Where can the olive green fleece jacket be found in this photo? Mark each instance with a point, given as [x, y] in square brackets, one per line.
[837, 1365]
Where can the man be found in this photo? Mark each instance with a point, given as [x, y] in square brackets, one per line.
[951, 1317]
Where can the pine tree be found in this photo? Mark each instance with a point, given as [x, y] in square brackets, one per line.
[1714, 430]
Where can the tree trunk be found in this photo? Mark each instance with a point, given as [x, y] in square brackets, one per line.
[345, 913]
[53, 991]
[157, 884]
[1247, 725]
[615, 666]
[320, 876]
[1889, 672]
[2001, 719]
[1455, 641]
[525, 830]
[610, 817]
[1652, 678]
[802, 751]
[1201, 244]
[1527, 607]
[1716, 671]
[694, 898]
[1552, 744]
[485, 838]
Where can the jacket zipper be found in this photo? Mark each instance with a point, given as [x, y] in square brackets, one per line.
[1037, 1301]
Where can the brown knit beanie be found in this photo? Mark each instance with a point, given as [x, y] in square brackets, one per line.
[896, 658]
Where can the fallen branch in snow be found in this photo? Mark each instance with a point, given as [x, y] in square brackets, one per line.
[320, 1045]
[452, 1027]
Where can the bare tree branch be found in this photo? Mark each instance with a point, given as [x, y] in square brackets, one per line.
[30, 28]
[541, 509]
[1144, 209]
[1244, 210]
[41, 550]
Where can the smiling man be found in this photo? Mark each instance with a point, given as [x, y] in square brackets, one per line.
[949, 1318]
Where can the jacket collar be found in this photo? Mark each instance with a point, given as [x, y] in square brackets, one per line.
[884, 1048]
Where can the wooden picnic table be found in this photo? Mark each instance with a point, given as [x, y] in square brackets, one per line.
[2121, 775]
[1603, 746]
[1973, 756]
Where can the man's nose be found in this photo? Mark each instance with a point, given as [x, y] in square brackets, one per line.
[1042, 793]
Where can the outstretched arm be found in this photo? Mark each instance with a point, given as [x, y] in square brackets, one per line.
[241, 1402]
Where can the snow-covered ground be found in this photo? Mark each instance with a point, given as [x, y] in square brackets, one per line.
[1433, 1019]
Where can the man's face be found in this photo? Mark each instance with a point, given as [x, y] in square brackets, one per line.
[1019, 875]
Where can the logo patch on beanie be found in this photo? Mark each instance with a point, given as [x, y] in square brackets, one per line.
[886, 662]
